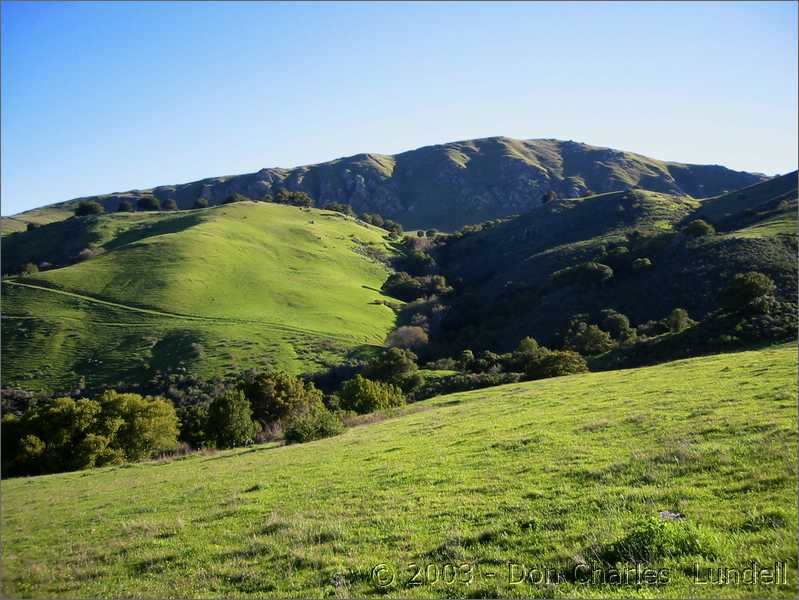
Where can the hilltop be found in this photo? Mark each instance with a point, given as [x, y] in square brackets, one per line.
[208, 290]
[445, 186]
[546, 474]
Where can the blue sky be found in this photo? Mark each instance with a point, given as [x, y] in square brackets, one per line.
[108, 97]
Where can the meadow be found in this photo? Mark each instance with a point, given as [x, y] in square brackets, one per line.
[210, 290]
[438, 499]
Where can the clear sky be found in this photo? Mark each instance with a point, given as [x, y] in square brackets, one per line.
[109, 97]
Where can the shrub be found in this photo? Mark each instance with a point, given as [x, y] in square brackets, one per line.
[29, 269]
[88, 207]
[230, 421]
[589, 273]
[746, 288]
[587, 339]
[372, 219]
[463, 382]
[639, 264]
[148, 203]
[394, 365]
[169, 205]
[679, 320]
[431, 233]
[699, 228]
[556, 363]
[125, 206]
[312, 424]
[405, 287]
[236, 197]
[408, 336]
[293, 198]
[617, 325]
[276, 395]
[339, 207]
[31, 226]
[363, 395]
[417, 262]
[200, 203]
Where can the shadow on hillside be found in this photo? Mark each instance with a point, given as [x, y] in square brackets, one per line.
[160, 227]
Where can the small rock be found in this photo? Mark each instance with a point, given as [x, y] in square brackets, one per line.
[667, 515]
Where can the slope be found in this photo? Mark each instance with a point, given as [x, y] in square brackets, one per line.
[505, 274]
[543, 474]
[224, 287]
[451, 185]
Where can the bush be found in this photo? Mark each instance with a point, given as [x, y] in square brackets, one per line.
[235, 198]
[418, 263]
[29, 269]
[148, 203]
[31, 226]
[589, 273]
[699, 228]
[640, 264]
[745, 289]
[169, 205]
[293, 198]
[587, 339]
[65, 434]
[408, 336]
[230, 421]
[339, 207]
[394, 365]
[555, 363]
[463, 382]
[679, 320]
[200, 203]
[274, 396]
[364, 395]
[313, 424]
[125, 206]
[617, 325]
[89, 207]
[408, 288]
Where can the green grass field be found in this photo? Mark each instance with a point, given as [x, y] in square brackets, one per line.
[543, 474]
[228, 287]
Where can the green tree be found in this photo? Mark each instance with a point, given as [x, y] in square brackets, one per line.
[314, 423]
[148, 424]
[745, 289]
[89, 207]
[29, 269]
[556, 363]
[394, 365]
[200, 203]
[363, 395]
[699, 228]
[169, 204]
[587, 339]
[125, 206]
[679, 320]
[276, 395]
[230, 421]
[148, 203]
[617, 325]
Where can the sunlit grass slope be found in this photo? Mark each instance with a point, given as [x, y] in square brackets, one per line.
[238, 283]
[543, 474]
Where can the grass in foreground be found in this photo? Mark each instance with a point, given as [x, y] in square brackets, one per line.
[542, 474]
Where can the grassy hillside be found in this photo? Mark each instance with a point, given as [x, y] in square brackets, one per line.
[450, 185]
[546, 474]
[226, 287]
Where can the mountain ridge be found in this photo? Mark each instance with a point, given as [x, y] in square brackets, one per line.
[452, 184]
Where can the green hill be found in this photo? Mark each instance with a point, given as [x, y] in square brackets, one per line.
[505, 274]
[226, 287]
[547, 475]
[450, 185]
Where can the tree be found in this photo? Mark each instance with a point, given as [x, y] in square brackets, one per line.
[550, 196]
[745, 289]
[276, 395]
[408, 336]
[236, 197]
[617, 325]
[300, 199]
[30, 269]
[169, 204]
[679, 320]
[31, 226]
[556, 363]
[363, 395]
[148, 424]
[587, 339]
[339, 207]
[200, 203]
[125, 206]
[639, 264]
[314, 423]
[394, 365]
[148, 203]
[465, 360]
[230, 421]
[88, 207]
[527, 345]
[699, 228]
[431, 233]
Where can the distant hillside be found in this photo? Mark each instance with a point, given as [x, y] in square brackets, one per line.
[505, 274]
[450, 185]
[222, 288]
